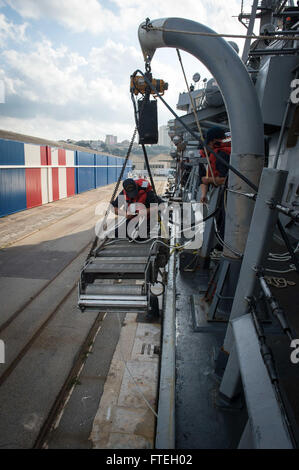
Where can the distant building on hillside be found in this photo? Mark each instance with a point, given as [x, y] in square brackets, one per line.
[111, 140]
[164, 139]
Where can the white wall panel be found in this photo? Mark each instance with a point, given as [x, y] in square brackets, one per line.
[32, 155]
[62, 183]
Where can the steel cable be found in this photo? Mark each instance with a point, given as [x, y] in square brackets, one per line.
[295, 37]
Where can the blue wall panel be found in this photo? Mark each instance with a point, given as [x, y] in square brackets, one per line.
[11, 153]
[112, 170]
[101, 173]
[13, 181]
[85, 177]
[12, 191]
[120, 162]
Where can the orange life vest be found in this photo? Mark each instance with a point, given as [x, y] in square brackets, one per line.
[219, 146]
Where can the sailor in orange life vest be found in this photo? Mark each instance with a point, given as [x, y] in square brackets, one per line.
[136, 198]
[215, 140]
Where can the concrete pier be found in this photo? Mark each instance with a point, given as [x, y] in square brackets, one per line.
[57, 360]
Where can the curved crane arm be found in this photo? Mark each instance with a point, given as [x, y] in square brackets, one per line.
[242, 106]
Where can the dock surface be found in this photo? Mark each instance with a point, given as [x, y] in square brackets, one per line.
[57, 359]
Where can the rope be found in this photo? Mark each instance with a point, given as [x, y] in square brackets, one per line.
[114, 193]
[279, 282]
[222, 242]
[118, 181]
[149, 171]
[178, 246]
[124, 166]
[222, 160]
[196, 116]
[149, 27]
[292, 268]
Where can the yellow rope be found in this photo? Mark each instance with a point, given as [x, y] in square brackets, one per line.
[196, 116]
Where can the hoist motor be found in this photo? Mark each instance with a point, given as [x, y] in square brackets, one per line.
[147, 109]
[139, 85]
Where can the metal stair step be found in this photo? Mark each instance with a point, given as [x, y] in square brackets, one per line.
[115, 289]
[122, 259]
[115, 268]
[120, 252]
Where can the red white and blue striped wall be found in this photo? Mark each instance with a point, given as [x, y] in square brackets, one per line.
[32, 175]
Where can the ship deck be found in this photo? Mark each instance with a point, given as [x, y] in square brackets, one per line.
[200, 423]
[202, 420]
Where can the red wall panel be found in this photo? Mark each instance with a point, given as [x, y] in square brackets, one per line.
[43, 156]
[61, 157]
[33, 187]
[70, 181]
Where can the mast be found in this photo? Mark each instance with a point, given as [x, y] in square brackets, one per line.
[250, 31]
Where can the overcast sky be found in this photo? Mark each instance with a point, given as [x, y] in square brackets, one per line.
[66, 64]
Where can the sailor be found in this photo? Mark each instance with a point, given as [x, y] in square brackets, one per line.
[136, 198]
[216, 140]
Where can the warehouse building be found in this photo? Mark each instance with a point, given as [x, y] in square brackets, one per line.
[35, 171]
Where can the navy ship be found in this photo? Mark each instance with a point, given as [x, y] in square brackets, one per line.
[228, 284]
[229, 366]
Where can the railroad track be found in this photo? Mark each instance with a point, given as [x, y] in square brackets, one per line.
[20, 343]
[43, 288]
[69, 384]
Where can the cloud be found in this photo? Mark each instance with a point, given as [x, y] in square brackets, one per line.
[57, 84]
[53, 82]
[11, 31]
[75, 15]
[113, 58]
[49, 73]
[56, 92]
[93, 17]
